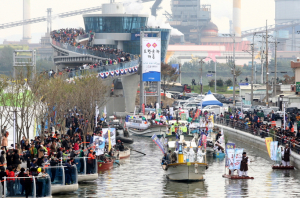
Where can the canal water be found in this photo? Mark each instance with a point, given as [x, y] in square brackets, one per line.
[142, 176]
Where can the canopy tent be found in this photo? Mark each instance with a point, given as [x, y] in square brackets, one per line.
[210, 99]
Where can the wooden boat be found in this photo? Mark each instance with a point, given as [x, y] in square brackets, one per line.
[123, 154]
[283, 167]
[148, 132]
[218, 155]
[236, 177]
[189, 171]
[102, 166]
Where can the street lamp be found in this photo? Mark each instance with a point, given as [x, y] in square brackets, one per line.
[232, 62]
[201, 63]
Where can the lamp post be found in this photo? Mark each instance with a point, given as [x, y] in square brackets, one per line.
[233, 63]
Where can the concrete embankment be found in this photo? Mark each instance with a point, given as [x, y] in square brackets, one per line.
[254, 141]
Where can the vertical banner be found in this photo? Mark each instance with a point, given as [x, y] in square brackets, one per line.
[112, 135]
[171, 111]
[109, 140]
[151, 58]
[230, 158]
[228, 146]
[238, 156]
[158, 143]
[99, 143]
[268, 141]
[273, 148]
[204, 140]
[97, 113]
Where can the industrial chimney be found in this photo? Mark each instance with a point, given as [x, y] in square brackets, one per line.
[26, 15]
[236, 17]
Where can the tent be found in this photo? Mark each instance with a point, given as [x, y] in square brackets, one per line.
[210, 99]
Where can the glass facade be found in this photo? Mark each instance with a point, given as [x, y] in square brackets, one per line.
[111, 24]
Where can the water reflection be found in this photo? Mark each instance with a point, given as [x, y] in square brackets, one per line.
[142, 176]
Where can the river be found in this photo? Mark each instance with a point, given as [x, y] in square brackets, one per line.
[142, 176]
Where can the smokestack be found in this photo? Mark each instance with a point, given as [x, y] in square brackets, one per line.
[26, 15]
[236, 17]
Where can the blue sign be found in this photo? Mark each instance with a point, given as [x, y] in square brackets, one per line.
[209, 75]
[158, 143]
[244, 84]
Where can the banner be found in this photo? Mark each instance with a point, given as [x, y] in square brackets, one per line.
[111, 135]
[228, 146]
[171, 111]
[238, 156]
[158, 143]
[230, 158]
[204, 140]
[109, 140]
[151, 58]
[274, 146]
[166, 145]
[268, 141]
[99, 143]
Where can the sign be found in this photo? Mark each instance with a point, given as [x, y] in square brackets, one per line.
[111, 136]
[151, 59]
[268, 141]
[158, 143]
[228, 146]
[238, 156]
[209, 75]
[230, 158]
[99, 143]
[244, 84]
[183, 116]
[229, 88]
[297, 86]
[274, 146]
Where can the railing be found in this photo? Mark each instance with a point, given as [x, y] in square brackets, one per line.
[62, 175]
[27, 186]
[254, 130]
[85, 165]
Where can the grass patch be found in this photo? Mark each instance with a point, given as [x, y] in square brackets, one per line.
[220, 90]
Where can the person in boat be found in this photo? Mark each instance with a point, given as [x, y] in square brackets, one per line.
[183, 128]
[125, 133]
[173, 129]
[286, 155]
[218, 135]
[173, 158]
[169, 157]
[244, 166]
[121, 147]
[218, 147]
[164, 160]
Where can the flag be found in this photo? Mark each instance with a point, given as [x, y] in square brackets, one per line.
[109, 141]
[274, 146]
[268, 141]
[158, 143]
[258, 56]
[104, 112]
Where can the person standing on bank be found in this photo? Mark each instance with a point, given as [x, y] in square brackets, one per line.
[244, 166]
[286, 155]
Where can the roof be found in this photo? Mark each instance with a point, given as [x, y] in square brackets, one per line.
[196, 48]
[115, 15]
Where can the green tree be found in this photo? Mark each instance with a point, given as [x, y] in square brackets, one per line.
[228, 82]
[220, 83]
[211, 83]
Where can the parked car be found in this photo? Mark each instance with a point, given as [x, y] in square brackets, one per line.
[229, 100]
[178, 103]
[210, 108]
[182, 97]
[246, 108]
[267, 113]
[189, 106]
[291, 110]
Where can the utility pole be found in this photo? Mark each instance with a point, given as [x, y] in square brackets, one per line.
[201, 63]
[216, 76]
[275, 65]
[261, 60]
[267, 83]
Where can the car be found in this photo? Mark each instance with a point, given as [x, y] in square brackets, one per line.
[291, 110]
[246, 108]
[182, 97]
[210, 108]
[229, 100]
[178, 103]
[267, 113]
[189, 106]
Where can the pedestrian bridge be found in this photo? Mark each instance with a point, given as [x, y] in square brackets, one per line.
[73, 57]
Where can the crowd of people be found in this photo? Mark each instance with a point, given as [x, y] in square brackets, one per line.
[255, 124]
[68, 38]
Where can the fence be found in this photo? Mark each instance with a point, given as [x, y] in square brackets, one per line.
[254, 130]
[85, 165]
[26, 186]
[62, 175]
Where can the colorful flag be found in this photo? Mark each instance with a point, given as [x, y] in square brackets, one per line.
[268, 141]
[274, 146]
[158, 143]
[238, 156]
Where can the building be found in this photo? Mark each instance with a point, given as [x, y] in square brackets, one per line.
[115, 29]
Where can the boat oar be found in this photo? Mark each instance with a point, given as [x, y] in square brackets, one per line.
[139, 152]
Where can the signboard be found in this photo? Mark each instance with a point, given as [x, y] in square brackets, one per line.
[151, 59]
[230, 158]
[99, 143]
[183, 116]
[244, 84]
[112, 135]
[229, 88]
[268, 141]
[158, 143]
[297, 86]
[238, 156]
[209, 75]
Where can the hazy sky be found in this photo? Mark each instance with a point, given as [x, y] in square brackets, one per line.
[254, 14]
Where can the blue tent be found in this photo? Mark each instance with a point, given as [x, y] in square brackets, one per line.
[210, 99]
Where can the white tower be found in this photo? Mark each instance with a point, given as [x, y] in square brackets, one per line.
[26, 15]
[236, 18]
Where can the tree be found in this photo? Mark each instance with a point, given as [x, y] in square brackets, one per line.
[228, 82]
[220, 83]
[168, 75]
[211, 83]
[6, 60]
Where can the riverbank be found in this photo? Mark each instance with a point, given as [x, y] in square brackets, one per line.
[255, 141]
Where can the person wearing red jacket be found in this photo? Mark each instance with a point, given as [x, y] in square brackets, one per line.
[76, 145]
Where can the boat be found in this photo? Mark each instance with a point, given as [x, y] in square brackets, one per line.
[186, 168]
[123, 154]
[236, 177]
[218, 155]
[148, 132]
[283, 167]
[104, 166]
[126, 140]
